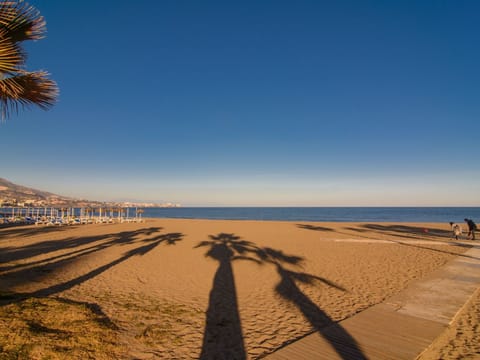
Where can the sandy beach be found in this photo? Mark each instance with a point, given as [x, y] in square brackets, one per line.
[187, 289]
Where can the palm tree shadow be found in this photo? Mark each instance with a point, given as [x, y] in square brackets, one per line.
[151, 243]
[71, 245]
[339, 338]
[314, 227]
[223, 336]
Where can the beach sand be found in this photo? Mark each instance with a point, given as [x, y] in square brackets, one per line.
[185, 289]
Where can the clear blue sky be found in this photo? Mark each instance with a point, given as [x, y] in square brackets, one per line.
[255, 103]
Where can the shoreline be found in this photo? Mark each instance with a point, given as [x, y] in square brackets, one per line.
[317, 214]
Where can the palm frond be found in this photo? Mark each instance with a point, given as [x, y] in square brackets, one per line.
[20, 21]
[27, 88]
[11, 55]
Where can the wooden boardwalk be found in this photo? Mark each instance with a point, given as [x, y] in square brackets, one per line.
[403, 326]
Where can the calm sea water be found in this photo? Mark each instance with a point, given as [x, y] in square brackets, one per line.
[345, 214]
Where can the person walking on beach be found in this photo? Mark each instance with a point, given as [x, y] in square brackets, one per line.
[457, 229]
[471, 228]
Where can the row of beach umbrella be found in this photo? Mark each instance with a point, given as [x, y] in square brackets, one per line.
[69, 215]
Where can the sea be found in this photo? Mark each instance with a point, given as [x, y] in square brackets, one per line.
[332, 214]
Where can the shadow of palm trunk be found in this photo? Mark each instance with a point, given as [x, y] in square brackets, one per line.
[223, 338]
[342, 342]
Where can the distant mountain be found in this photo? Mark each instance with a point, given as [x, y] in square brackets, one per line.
[17, 195]
[12, 194]
[11, 190]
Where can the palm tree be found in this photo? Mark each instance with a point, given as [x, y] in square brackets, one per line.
[18, 87]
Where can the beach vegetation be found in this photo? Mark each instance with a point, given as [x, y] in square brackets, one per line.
[159, 323]
[47, 328]
[20, 88]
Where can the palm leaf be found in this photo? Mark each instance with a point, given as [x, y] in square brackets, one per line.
[11, 56]
[25, 89]
[20, 21]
